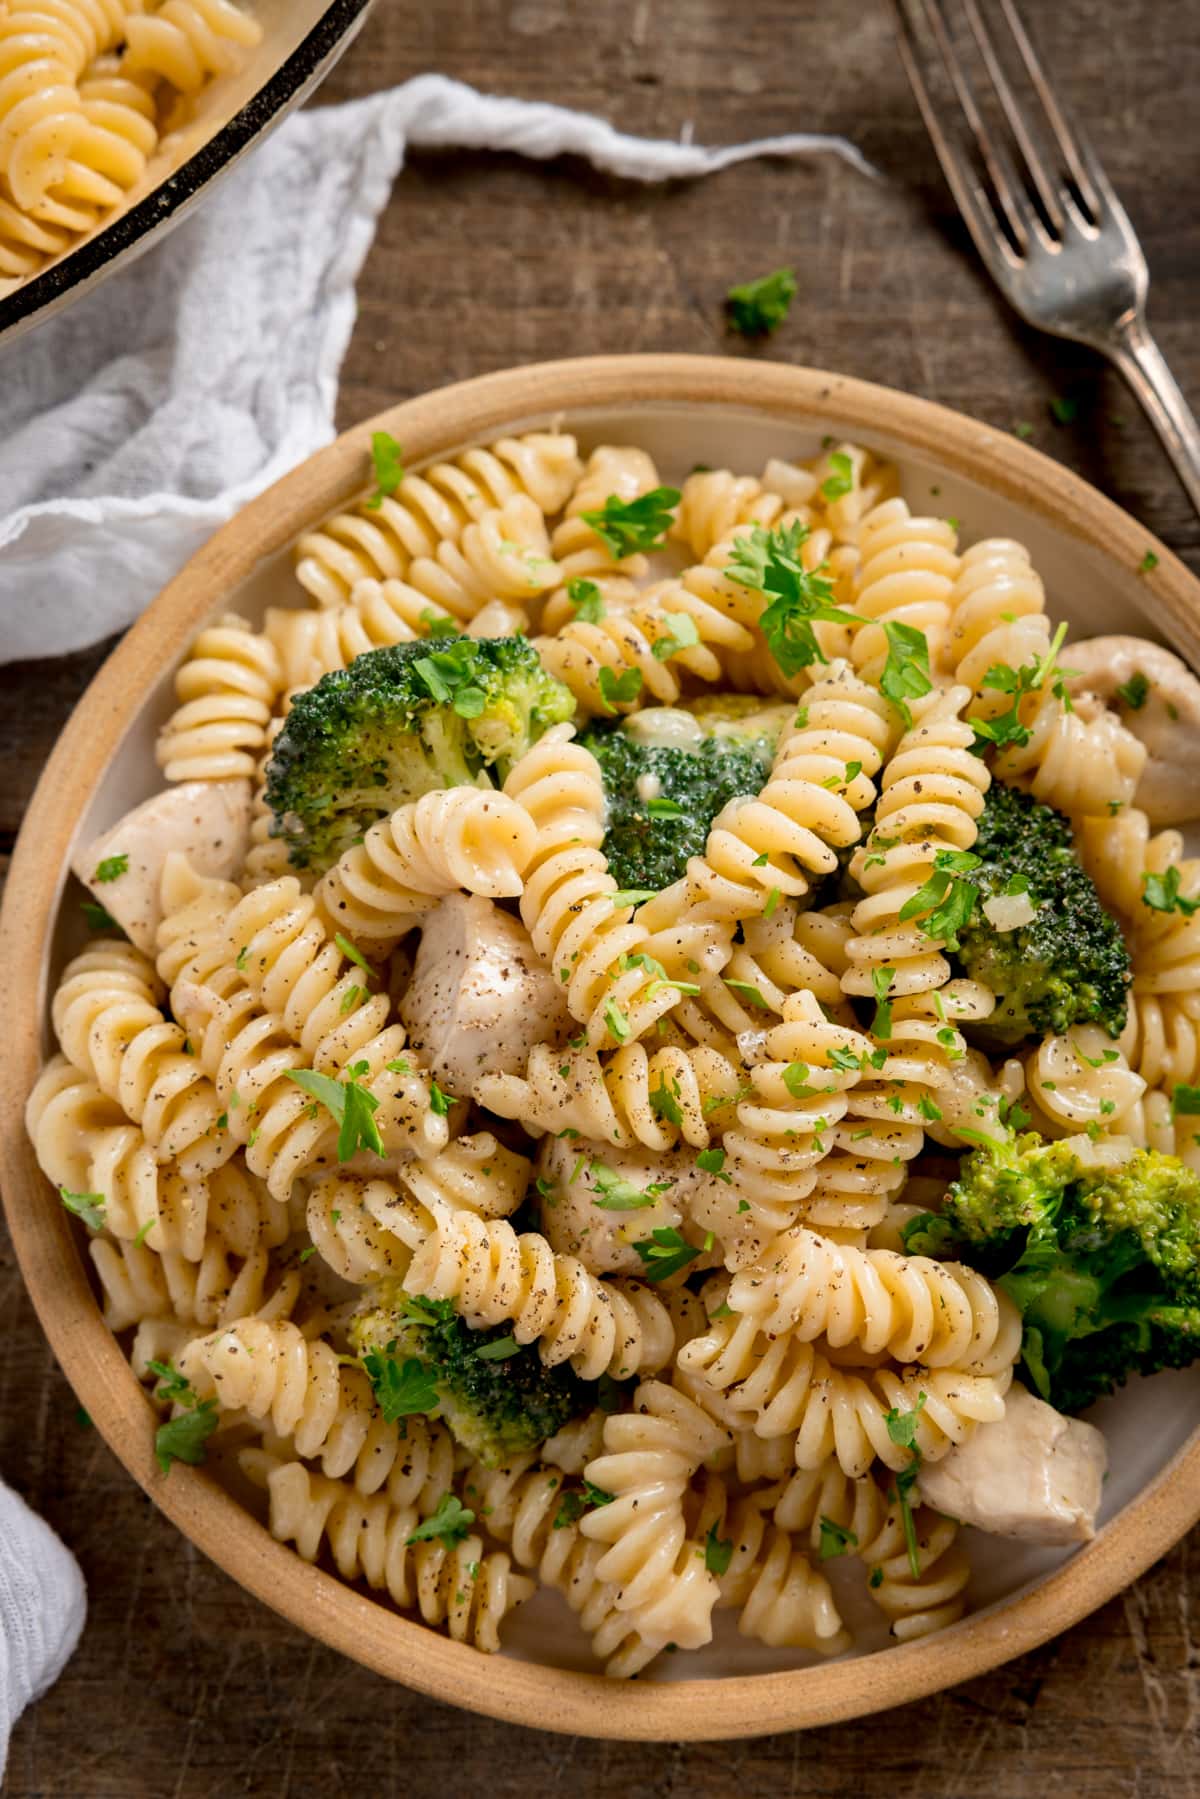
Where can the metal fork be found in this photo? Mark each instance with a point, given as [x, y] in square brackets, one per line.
[1043, 214]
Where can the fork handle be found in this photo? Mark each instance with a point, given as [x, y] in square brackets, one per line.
[1145, 368]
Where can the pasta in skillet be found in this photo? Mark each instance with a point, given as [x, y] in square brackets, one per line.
[698, 983]
[86, 88]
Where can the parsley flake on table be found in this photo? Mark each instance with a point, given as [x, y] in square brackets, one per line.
[387, 459]
[625, 526]
[756, 308]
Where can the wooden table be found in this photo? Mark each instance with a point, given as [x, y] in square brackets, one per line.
[184, 1685]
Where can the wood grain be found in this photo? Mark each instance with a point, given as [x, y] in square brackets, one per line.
[184, 1684]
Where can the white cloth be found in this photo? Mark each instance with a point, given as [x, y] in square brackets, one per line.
[42, 1607]
[148, 413]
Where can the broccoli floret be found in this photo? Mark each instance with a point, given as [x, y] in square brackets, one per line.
[662, 801]
[498, 1400]
[398, 723]
[1069, 964]
[1102, 1257]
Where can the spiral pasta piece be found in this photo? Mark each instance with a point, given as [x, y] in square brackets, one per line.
[778, 1136]
[40, 110]
[1079, 1082]
[465, 839]
[912, 1308]
[594, 945]
[462, 1587]
[930, 799]
[227, 689]
[112, 145]
[650, 1455]
[782, 1599]
[907, 577]
[496, 1276]
[432, 506]
[1161, 1039]
[918, 1604]
[139, 1284]
[618, 471]
[1118, 851]
[785, 1385]
[713, 503]
[763, 847]
[1077, 763]
[106, 1016]
[188, 41]
[523, 1507]
[608, 1099]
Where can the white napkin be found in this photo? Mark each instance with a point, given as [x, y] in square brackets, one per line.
[42, 1608]
[150, 412]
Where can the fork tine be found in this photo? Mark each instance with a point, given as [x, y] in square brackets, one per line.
[1082, 163]
[1009, 191]
[1045, 182]
[987, 230]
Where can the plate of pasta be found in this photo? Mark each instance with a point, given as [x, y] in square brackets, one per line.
[117, 115]
[605, 1004]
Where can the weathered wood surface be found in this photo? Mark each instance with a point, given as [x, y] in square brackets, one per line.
[183, 1685]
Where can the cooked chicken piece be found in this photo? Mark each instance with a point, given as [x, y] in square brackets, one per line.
[1035, 1475]
[1158, 698]
[583, 1184]
[208, 821]
[480, 998]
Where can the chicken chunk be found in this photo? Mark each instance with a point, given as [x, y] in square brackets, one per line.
[582, 1185]
[208, 821]
[480, 998]
[1158, 697]
[1035, 1475]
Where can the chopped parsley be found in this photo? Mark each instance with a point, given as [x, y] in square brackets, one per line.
[1148, 563]
[664, 1252]
[768, 562]
[348, 1103]
[1161, 893]
[712, 1161]
[625, 526]
[182, 1439]
[1135, 692]
[388, 461]
[88, 1206]
[946, 902]
[449, 1523]
[111, 869]
[681, 635]
[835, 1539]
[902, 1429]
[718, 1552]
[97, 918]
[499, 1349]
[841, 481]
[906, 672]
[620, 1195]
[355, 955]
[756, 308]
[619, 690]
[401, 1389]
[587, 600]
